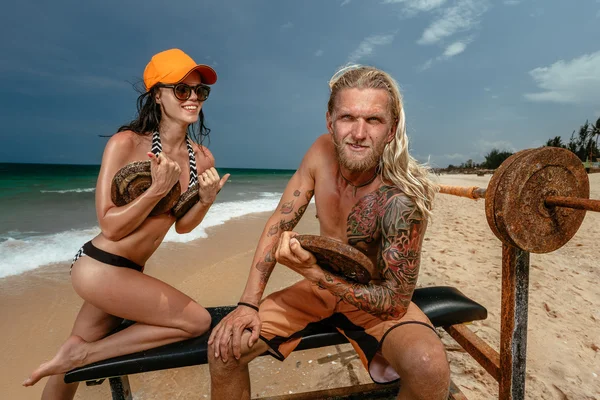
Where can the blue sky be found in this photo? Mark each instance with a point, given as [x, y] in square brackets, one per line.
[475, 74]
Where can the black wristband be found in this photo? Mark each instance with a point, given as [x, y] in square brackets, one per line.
[252, 306]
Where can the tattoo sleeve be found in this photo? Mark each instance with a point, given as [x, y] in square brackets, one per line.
[290, 213]
[402, 229]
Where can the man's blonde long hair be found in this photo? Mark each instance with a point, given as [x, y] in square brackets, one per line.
[396, 164]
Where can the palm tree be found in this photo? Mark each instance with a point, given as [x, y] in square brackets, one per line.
[579, 144]
[595, 131]
[555, 142]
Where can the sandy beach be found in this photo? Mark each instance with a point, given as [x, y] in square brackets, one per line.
[38, 308]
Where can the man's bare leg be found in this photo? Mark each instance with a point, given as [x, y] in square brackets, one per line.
[231, 379]
[418, 355]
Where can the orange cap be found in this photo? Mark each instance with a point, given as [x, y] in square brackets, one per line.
[172, 66]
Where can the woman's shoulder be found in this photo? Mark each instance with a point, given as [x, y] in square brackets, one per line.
[124, 141]
[203, 154]
[124, 138]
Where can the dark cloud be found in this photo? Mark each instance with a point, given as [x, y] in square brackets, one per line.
[69, 70]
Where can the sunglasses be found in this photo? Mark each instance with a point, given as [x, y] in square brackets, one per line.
[183, 91]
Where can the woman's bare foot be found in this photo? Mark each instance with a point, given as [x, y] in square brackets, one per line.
[71, 355]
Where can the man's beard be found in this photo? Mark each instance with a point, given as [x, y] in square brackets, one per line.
[360, 165]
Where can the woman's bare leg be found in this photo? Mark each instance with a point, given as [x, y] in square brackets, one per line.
[91, 324]
[164, 315]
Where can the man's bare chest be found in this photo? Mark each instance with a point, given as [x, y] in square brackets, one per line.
[356, 221]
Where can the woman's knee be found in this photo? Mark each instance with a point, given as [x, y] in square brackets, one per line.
[197, 322]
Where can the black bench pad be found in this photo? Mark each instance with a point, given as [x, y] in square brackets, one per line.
[443, 305]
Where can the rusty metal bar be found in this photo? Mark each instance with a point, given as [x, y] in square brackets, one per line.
[474, 192]
[573, 202]
[482, 352]
[367, 391]
[471, 192]
[513, 328]
[455, 393]
[364, 391]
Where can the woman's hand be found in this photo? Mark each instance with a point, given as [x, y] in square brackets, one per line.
[210, 184]
[165, 173]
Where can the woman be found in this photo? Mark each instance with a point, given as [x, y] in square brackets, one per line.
[107, 271]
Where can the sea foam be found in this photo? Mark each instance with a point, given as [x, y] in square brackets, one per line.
[78, 190]
[22, 252]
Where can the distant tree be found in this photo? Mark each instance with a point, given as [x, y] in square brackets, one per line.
[468, 164]
[556, 142]
[585, 143]
[494, 158]
[595, 131]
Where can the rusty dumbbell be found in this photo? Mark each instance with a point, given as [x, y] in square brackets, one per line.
[536, 200]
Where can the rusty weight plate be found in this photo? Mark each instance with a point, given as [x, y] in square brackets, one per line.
[498, 184]
[186, 201]
[339, 258]
[134, 179]
[519, 209]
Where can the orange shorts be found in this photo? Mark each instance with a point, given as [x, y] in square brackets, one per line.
[287, 316]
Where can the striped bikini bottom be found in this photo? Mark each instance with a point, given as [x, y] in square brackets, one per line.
[92, 251]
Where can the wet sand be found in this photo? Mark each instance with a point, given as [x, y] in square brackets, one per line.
[38, 309]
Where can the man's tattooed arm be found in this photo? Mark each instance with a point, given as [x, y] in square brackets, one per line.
[402, 230]
[286, 217]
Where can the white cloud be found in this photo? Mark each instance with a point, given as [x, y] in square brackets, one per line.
[512, 2]
[454, 156]
[462, 16]
[287, 25]
[367, 46]
[452, 50]
[426, 65]
[344, 3]
[319, 53]
[455, 49]
[414, 6]
[575, 81]
[487, 89]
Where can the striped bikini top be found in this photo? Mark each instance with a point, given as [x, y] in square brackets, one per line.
[157, 149]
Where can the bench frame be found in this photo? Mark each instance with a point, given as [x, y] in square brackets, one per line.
[507, 367]
[444, 305]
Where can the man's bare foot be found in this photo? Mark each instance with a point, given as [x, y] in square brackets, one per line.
[71, 355]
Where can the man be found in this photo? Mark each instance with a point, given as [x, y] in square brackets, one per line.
[371, 194]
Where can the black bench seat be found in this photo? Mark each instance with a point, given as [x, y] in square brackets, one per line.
[443, 305]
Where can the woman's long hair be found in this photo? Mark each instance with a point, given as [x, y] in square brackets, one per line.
[396, 164]
[149, 115]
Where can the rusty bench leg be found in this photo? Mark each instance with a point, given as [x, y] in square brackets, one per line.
[119, 387]
[455, 393]
[513, 332]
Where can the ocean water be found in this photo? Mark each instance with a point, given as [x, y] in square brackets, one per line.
[48, 211]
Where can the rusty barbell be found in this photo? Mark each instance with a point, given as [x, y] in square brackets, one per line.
[536, 200]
